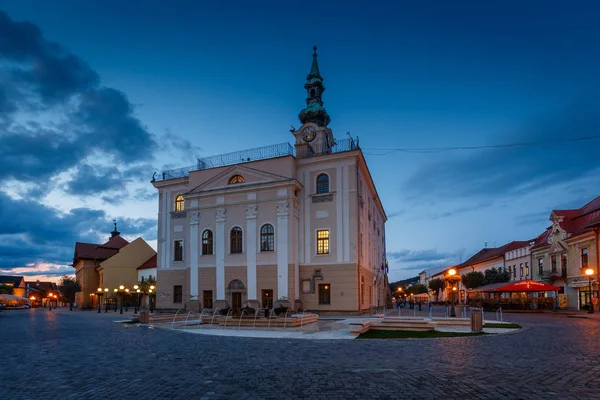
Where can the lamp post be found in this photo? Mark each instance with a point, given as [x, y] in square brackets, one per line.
[590, 272]
[121, 293]
[136, 288]
[99, 294]
[452, 273]
[49, 301]
[150, 295]
[116, 292]
[105, 300]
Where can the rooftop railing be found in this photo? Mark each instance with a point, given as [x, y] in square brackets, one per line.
[256, 154]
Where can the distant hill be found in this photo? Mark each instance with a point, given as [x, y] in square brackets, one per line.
[404, 282]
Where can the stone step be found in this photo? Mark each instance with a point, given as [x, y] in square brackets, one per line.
[404, 327]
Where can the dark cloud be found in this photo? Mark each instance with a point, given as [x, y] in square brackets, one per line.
[43, 234]
[493, 174]
[90, 180]
[89, 120]
[408, 260]
[180, 147]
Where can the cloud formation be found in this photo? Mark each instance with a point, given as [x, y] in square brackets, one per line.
[56, 116]
[423, 259]
[492, 174]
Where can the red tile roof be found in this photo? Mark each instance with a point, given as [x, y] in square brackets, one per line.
[42, 285]
[494, 252]
[574, 222]
[150, 263]
[99, 252]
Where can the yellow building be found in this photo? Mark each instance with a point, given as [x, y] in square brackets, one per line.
[108, 266]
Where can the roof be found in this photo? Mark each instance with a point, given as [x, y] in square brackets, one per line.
[99, 252]
[574, 222]
[14, 280]
[37, 285]
[494, 252]
[150, 263]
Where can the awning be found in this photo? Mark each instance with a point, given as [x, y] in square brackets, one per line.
[519, 286]
[12, 297]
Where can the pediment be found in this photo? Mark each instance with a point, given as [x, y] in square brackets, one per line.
[557, 247]
[250, 176]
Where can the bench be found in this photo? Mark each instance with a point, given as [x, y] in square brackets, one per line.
[356, 328]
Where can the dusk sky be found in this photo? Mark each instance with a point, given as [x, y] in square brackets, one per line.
[97, 95]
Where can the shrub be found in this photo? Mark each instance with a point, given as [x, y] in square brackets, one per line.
[280, 310]
[247, 311]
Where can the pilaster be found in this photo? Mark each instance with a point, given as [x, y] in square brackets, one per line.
[194, 219]
[251, 246]
[282, 250]
[220, 217]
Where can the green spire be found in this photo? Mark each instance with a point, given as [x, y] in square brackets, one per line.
[314, 110]
[314, 68]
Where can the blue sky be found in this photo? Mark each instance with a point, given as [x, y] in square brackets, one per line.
[97, 95]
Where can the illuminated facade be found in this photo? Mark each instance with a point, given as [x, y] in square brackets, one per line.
[298, 226]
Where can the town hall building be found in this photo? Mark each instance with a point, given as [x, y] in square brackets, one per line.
[299, 226]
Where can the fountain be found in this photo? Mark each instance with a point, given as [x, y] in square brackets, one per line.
[213, 316]
[241, 315]
[201, 315]
[173, 324]
[270, 316]
[186, 318]
[227, 317]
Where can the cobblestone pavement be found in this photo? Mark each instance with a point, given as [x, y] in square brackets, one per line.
[83, 355]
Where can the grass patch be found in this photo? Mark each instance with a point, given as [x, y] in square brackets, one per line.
[375, 334]
[505, 326]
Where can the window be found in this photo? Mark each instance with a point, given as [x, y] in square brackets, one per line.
[563, 264]
[179, 203]
[521, 270]
[553, 263]
[207, 298]
[207, 243]
[584, 257]
[267, 298]
[322, 184]
[540, 266]
[527, 269]
[514, 271]
[325, 294]
[178, 250]
[236, 241]
[177, 294]
[236, 179]
[323, 241]
[267, 238]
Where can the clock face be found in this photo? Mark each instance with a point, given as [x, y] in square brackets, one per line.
[308, 134]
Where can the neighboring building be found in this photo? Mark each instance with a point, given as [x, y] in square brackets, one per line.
[37, 291]
[147, 269]
[298, 226]
[107, 266]
[16, 282]
[566, 249]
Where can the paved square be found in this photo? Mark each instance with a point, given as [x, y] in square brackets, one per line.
[84, 355]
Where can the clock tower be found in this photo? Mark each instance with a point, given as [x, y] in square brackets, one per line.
[314, 137]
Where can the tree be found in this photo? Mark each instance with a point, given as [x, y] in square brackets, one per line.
[473, 279]
[416, 289]
[436, 285]
[493, 275]
[6, 289]
[68, 286]
[147, 293]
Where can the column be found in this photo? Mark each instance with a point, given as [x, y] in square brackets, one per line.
[194, 298]
[220, 252]
[282, 249]
[251, 235]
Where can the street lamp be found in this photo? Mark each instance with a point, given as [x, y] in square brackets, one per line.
[452, 273]
[137, 290]
[105, 300]
[150, 296]
[590, 272]
[100, 293]
[49, 301]
[116, 291]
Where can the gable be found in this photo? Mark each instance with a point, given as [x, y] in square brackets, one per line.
[557, 247]
[251, 176]
[131, 256]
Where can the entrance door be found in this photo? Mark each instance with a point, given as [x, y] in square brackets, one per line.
[236, 300]
[267, 298]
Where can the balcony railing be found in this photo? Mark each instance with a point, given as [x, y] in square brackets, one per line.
[257, 154]
[339, 146]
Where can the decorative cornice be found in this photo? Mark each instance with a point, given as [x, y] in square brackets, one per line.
[283, 208]
[251, 211]
[220, 214]
[194, 218]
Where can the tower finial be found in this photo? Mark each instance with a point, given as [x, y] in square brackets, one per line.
[115, 232]
[315, 50]
[314, 110]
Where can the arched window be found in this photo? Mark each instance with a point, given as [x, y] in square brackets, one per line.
[322, 184]
[267, 238]
[179, 203]
[207, 242]
[236, 240]
[236, 179]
